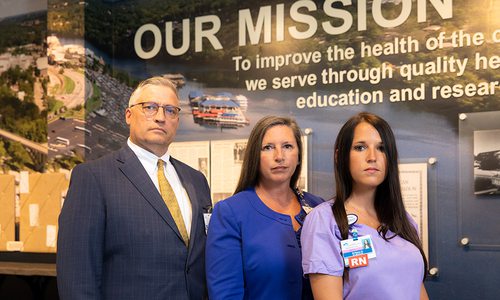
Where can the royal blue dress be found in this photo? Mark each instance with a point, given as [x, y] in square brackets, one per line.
[253, 252]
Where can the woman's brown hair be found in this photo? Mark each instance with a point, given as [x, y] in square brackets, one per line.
[249, 176]
[388, 199]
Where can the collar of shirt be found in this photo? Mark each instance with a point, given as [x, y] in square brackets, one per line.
[148, 160]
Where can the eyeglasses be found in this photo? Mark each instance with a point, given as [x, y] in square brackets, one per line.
[150, 109]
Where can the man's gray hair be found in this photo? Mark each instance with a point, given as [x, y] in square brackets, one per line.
[156, 80]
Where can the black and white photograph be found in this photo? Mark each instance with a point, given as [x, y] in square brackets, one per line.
[203, 165]
[239, 152]
[487, 162]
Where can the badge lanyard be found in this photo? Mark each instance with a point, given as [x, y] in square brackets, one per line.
[206, 217]
[351, 220]
[305, 206]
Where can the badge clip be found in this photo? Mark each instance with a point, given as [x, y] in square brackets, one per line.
[352, 219]
[354, 234]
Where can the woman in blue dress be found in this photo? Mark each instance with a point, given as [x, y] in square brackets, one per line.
[253, 246]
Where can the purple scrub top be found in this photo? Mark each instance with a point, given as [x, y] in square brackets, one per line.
[396, 273]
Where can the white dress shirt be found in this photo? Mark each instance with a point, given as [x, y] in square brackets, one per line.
[149, 162]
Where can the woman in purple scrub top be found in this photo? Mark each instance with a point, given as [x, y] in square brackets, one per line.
[367, 209]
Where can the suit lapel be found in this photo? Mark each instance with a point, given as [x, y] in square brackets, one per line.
[132, 168]
[187, 182]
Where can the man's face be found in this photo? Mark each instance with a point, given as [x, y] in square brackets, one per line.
[153, 133]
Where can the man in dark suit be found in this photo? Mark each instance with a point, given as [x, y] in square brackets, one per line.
[119, 236]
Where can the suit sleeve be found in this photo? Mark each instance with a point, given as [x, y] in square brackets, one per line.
[81, 238]
[224, 261]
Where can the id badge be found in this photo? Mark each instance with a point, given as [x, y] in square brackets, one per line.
[357, 252]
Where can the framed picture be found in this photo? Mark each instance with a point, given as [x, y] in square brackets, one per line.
[487, 162]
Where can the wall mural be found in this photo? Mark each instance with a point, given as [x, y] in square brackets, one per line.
[418, 64]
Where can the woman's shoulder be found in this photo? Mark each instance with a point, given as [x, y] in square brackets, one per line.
[322, 211]
[312, 199]
[412, 221]
[239, 199]
[320, 221]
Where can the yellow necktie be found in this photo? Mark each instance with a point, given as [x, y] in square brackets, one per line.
[168, 196]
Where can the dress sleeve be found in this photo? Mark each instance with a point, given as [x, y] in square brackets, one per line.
[320, 243]
[224, 262]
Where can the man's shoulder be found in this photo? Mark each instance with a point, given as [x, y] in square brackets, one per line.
[102, 162]
[185, 167]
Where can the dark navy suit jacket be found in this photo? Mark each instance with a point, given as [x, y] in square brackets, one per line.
[117, 239]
